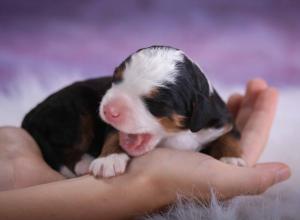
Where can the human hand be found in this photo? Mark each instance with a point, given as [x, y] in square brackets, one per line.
[254, 113]
[173, 171]
[154, 179]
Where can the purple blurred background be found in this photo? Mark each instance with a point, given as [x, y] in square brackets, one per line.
[232, 41]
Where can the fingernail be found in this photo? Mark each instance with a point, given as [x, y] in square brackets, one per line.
[283, 174]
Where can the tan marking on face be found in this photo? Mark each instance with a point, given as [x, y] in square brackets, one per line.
[174, 123]
[153, 93]
[118, 74]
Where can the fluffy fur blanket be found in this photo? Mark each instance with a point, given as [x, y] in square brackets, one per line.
[279, 202]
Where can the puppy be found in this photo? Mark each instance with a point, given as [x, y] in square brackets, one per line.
[157, 97]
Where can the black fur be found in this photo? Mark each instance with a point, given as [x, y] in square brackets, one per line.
[190, 97]
[67, 124]
[57, 123]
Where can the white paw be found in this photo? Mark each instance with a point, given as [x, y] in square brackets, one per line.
[109, 166]
[82, 166]
[236, 161]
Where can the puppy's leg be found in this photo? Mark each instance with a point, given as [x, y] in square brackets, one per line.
[112, 161]
[227, 148]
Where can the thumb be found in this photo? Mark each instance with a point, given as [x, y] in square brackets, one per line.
[265, 175]
[254, 180]
[269, 174]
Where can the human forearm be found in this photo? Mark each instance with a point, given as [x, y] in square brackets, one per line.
[83, 198]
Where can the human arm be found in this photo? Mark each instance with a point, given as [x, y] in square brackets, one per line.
[154, 179]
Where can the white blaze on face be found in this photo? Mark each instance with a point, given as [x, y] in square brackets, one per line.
[147, 69]
[150, 68]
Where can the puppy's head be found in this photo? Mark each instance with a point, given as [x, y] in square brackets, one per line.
[157, 92]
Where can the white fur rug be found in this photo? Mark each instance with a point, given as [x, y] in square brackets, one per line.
[279, 202]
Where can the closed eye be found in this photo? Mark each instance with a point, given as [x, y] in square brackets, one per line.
[157, 108]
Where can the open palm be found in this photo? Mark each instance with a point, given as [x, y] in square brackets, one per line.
[189, 172]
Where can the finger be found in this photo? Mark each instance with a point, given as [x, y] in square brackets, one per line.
[266, 175]
[256, 132]
[254, 88]
[234, 103]
[250, 181]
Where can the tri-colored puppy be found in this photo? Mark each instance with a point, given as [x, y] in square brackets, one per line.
[157, 97]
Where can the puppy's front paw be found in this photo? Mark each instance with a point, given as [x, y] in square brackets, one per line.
[109, 166]
[236, 161]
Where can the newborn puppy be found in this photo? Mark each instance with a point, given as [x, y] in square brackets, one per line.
[157, 97]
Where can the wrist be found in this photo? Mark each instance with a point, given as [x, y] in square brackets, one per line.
[161, 188]
[147, 194]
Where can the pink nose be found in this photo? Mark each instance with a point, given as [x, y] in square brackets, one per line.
[112, 113]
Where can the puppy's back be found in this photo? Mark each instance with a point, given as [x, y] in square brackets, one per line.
[66, 124]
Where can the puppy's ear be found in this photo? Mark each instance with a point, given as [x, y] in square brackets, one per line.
[205, 108]
[208, 112]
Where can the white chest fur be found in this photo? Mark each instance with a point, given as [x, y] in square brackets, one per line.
[187, 140]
